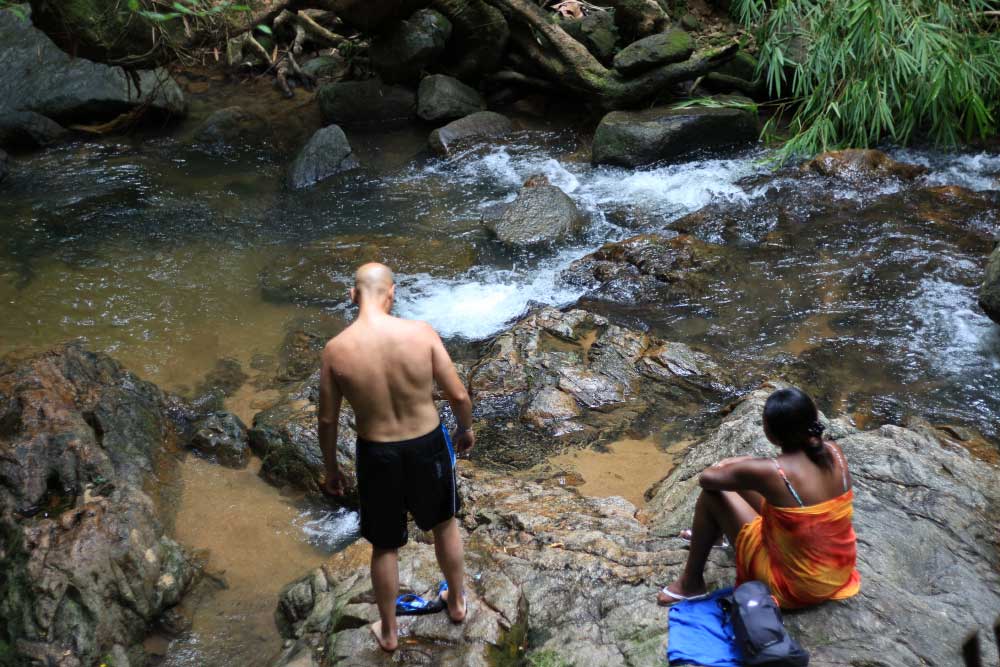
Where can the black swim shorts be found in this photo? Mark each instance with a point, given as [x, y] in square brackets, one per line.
[415, 476]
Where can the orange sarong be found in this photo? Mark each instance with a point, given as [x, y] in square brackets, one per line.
[805, 554]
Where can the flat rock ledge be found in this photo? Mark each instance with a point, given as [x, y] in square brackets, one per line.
[573, 579]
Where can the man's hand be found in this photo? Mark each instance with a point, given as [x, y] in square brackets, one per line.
[464, 440]
[334, 483]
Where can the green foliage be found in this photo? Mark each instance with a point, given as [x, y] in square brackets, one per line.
[857, 72]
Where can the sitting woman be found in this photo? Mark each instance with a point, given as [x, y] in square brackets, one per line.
[789, 517]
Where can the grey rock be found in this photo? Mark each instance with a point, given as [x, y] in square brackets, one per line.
[410, 47]
[232, 127]
[636, 138]
[989, 294]
[326, 154]
[38, 76]
[672, 46]
[27, 129]
[362, 102]
[326, 67]
[222, 437]
[474, 127]
[87, 565]
[596, 31]
[540, 214]
[443, 98]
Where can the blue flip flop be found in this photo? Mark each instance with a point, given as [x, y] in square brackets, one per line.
[414, 605]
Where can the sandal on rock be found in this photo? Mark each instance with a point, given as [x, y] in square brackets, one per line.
[414, 605]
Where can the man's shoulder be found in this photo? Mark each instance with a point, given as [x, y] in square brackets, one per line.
[418, 327]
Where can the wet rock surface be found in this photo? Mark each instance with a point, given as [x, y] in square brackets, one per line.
[222, 437]
[27, 129]
[365, 102]
[88, 568]
[320, 273]
[285, 438]
[479, 126]
[326, 154]
[3, 165]
[444, 98]
[637, 138]
[232, 126]
[927, 549]
[540, 214]
[672, 46]
[401, 53]
[857, 164]
[558, 378]
[989, 294]
[543, 559]
[39, 76]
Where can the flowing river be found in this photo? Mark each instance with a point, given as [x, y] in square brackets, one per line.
[154, 252]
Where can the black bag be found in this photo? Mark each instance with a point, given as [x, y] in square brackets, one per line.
[760, 633]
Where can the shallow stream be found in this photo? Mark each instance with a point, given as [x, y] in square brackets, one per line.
[152, 252]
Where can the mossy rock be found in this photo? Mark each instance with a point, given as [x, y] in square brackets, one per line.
[672, 46]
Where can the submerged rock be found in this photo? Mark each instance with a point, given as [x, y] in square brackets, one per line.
[637, 138]
[232, 127]
[87, 566]
[333, 67]
[326, 154]
[320, 273]
[573, 377]
[989, 295]
[222, 437]
[672, 46]
[928, 576]
[441, 97]
[546, 559]
[474, 127]
[27, 129]
[39, 76]
[365, 102]
[400, 54]
[857, 164]
[540, 214]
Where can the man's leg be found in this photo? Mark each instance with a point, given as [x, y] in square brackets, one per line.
[385, 583]
[716, 512]
[451, 556]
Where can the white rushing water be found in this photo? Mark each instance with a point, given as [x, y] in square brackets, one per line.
[329, 530]
[481, 302]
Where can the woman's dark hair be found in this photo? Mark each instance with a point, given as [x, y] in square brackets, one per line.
[792, 420]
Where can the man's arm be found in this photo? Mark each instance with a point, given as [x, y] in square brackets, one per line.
[451, 386]
[330, 400]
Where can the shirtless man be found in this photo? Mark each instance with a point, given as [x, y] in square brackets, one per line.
[386, 368]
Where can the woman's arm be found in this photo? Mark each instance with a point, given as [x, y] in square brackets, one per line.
[736, 474]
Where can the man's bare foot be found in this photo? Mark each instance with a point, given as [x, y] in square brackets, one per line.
[387, 641]
[681, 591]
[459, 615]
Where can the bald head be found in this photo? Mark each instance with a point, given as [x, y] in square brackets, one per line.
[373, 283]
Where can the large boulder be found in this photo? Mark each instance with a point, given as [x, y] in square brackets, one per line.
[474, 127]
[540, 214]
[672, 46]
[87, 566]
[989, 294]
[320, 274]
[596, 31]
[287, 442]
[326, 154]
[637, 138]
[443, 98]
[924, 512]
[363, 102]
[27, 129]
[573, 377]
[232, 127]
[38, 76]
[861, 165]
[400, 54]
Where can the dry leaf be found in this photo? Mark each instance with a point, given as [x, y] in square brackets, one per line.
[571, 9]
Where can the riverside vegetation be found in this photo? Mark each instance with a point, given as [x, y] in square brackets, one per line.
[575, 196]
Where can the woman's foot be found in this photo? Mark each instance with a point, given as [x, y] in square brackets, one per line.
[722, 542]
[680, 591]
[456, 614]
[387, 640]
